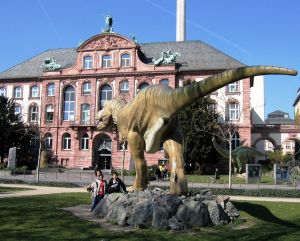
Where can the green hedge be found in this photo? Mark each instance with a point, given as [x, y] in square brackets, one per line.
[293, 193]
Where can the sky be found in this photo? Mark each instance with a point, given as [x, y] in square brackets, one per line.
[255, 32]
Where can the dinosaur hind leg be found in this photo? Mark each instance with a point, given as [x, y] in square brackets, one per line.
[178, 183]
[136, 145]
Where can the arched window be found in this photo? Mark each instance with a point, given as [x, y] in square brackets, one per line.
[164, 82]
[143, 85]
[88, 62]
[233, 112]
[18, 92]
[106, 61]
[84, 142]
[125, 60]
[49, 113]
[233, 87]
[86, 88]
[33, 113]
[69, 103]
[51, 89]
[48, 140]
[105, 94]
[124, 86]
[85, 114]
[2, 91]
[66, 141]
[34, 91]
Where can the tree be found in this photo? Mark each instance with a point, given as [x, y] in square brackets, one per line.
[277, 156]
[197, 127]
[12, 130]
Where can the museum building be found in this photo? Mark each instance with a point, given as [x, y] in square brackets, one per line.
[61, 91]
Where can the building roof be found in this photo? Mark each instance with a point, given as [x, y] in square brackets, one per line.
[33, 67]
[279, 117]
[194, 55]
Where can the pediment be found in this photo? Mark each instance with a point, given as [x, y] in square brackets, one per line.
[106, 41]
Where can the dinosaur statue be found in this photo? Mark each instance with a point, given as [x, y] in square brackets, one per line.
[240, 155]
[150, 119]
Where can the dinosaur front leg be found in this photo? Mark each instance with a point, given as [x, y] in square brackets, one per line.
[178, 183]
[136, 145]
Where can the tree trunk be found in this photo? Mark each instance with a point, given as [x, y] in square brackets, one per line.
[230, 166]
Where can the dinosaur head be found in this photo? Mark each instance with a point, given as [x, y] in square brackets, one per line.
[105, 117]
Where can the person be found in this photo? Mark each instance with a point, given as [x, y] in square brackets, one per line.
[115, 184]
[164, 172]
[217, 176]
[98, 188]
[158, 173]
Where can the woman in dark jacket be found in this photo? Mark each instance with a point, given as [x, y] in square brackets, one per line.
[115, 184]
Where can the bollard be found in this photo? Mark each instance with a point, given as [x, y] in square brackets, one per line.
[257, 183]
[80, 175]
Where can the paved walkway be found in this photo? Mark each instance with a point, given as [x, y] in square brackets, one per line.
[37, 190]
[42, 190]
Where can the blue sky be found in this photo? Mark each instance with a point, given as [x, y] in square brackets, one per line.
[255, 32]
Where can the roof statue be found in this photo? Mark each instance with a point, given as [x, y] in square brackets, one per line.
[166, 57]
[134, 38]
[51, 65]
[240, 155]
[108, 24]
[150, 119]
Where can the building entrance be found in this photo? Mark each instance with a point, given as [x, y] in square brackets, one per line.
[102, 152]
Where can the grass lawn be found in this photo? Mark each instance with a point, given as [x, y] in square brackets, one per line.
[224, 179]
[12, 189]
[41, 218]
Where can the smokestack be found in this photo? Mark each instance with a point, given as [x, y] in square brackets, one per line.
[180, 21]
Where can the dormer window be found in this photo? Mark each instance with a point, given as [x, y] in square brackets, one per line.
[106, 61]
[125, 60]
[18, 92]
[88, 62]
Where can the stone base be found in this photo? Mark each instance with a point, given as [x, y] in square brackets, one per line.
[159, 210]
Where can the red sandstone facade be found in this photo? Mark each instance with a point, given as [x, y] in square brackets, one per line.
[107, 65]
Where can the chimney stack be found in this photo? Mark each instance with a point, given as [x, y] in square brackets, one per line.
[180, 21]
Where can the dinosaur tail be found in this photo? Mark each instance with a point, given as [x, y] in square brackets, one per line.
[182, 97]
[221, 151]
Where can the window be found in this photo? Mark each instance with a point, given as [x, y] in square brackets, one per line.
[51, 89]
[69, 103]
[85, 114]
[2, 91]
[86, 88]
[125, 60]
[164, 82]
[106, 61]
[66, 141]
[18, 92]
[18, 110]
[233, 111]
[34, 91]
[234, 87]
[48, 140]
[105, 94]
[84, 142]
[235, 141]
[33, 113]
[120, 146]
[34, 140]
[124, 86]
[143, 85]
[88, 62]
[49, 113]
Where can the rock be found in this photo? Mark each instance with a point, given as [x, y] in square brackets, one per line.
[103, 206]
[216, 213]
[142, 214]
[164, 207]
[193, 214]
[231, 211]
[175, 224]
